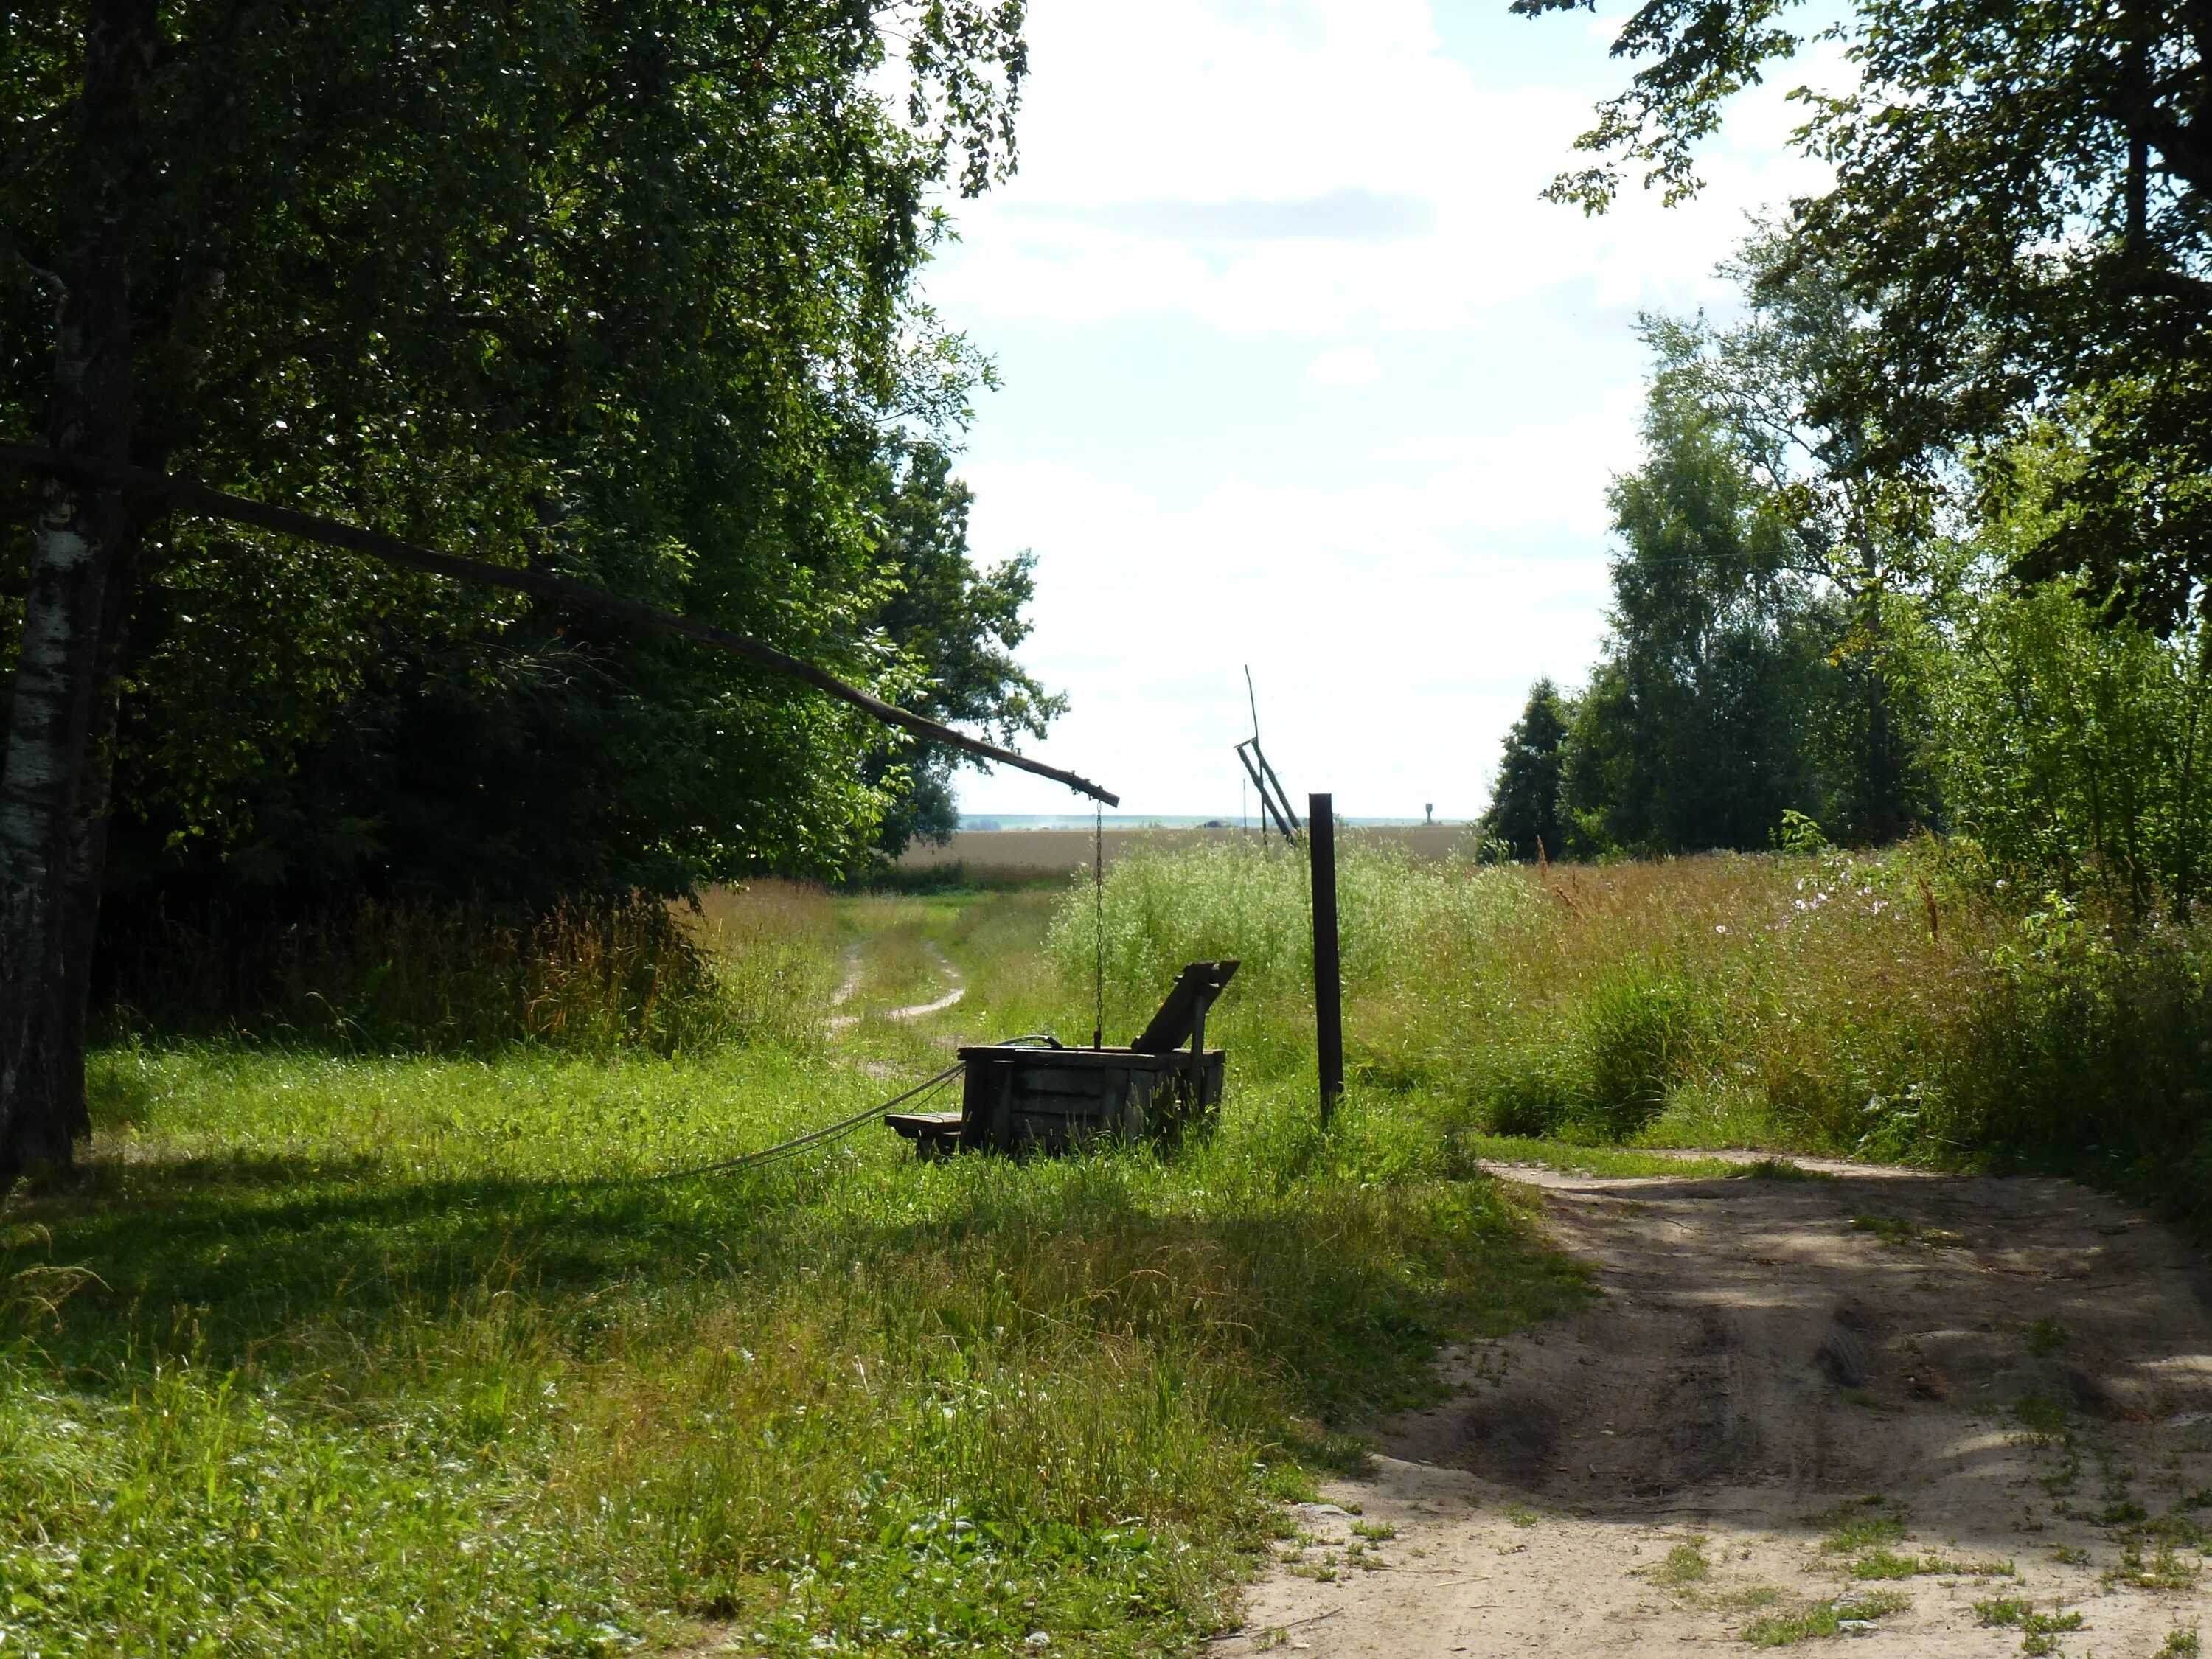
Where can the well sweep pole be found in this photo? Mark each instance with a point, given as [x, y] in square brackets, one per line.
[1328, 984]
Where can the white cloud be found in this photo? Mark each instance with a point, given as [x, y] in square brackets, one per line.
[1394, 625]
[1312, 166]
[1252, 184]
[1344, 367]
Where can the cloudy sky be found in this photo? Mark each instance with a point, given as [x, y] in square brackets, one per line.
[1300, 372]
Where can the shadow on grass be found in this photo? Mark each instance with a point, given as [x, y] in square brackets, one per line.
[1342, 1292]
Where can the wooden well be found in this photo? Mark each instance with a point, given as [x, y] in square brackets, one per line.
[1037, 1097]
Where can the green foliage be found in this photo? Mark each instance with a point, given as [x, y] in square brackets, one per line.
[1823, 1619]
[1207, 900]
[1522, 819]
[2074, 748]
[1697, 730]
[628, 295]
[2017, 211]
[1686, 1564]
[741, 968]
[961, 625]
[1898, 1006]
[417, 1351]
[1629, 1045]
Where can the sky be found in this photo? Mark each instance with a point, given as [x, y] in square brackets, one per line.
[1298, 371]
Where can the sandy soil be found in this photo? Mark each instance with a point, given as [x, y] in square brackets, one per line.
[1767, 1356]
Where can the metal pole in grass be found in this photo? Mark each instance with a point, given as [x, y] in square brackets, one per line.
[1328, 984]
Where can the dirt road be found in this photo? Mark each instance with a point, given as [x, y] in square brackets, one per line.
[1926, 1414]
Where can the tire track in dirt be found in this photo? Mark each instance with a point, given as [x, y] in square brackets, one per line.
[1766, 1355]
[849, 987]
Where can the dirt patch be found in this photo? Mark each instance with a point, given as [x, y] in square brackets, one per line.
[1932, 1414]
[855, 978]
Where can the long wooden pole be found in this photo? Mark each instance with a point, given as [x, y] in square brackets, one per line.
[1328, 983]
[333, 532]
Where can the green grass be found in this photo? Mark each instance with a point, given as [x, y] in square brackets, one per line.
[2045, 1418]
[1684, 1566]
[2039, 1632]
[1784, 1003]
[1861, 1525]
[1781, 1168]
[340, 1351]
[384, 1355]
[1823, 1619]
[1879, 1563]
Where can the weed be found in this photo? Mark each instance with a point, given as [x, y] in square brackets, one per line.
[1684, 1566]
[2068, 1555]
[2045, 1418]
[1856, 1526]
[742, 966]
[1892, 1229]
[2002, 1610]
[1375, 1531]
[1888, 1228]
[1877, 1564]
[1781, 1168]
[416, 1349]
[1784, 1001]
[2039, 1632]
[1750, 1599]
[2180, 1645]
[2165, 1571]
[1520, 1516]
[1824, 1618]
[2047, 1336]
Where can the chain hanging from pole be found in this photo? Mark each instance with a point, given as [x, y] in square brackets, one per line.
[1098, 922]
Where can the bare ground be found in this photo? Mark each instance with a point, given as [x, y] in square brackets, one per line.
[2021, 1370]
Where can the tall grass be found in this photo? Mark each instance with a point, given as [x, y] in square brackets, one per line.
[1904, 1005]
[337, 1353]
[744, 965]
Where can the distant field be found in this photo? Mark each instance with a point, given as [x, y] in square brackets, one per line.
[1057, 852]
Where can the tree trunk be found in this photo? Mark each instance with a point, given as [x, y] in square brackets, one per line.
[48, 792]
[84, 874]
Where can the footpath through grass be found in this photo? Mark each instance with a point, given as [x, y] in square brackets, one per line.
[365, 1356]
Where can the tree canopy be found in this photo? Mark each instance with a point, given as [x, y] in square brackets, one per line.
[2018, 217]
[1522, 819]
[624, 294]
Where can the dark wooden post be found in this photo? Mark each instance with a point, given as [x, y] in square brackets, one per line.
[1328, 984]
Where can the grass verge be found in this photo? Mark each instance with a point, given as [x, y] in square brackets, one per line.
[383, 1356]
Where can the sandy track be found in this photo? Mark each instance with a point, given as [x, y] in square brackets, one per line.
[1756, 1361]
[854, 975]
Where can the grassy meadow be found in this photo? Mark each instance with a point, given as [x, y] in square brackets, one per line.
[393, 1335]
[1903, 1006]
[340, 1351]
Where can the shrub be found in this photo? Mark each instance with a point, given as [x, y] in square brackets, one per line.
[587, 975]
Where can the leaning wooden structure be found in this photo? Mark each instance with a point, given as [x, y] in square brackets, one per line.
[1035, 1095]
